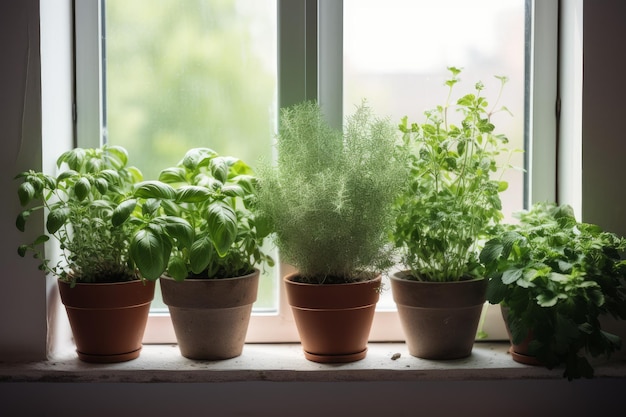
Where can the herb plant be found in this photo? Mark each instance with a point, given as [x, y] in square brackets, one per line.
[215, 196]
[557, 277]
[79, 205]
[329, 196]
[451, 199]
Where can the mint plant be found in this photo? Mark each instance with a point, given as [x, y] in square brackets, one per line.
[453, 196]
[557, 277]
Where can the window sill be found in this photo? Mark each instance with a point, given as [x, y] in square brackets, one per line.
[285, 362]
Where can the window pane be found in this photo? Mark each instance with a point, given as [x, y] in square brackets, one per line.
[396, 53]
[192, 73]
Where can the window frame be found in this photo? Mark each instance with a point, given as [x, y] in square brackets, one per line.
[310, 67]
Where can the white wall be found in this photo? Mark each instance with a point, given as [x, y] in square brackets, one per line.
[604, 112]
[22, 295]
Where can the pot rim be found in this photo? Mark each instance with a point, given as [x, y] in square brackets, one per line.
[103, 284]
[254, 272]
[399, 276]
[288, 279]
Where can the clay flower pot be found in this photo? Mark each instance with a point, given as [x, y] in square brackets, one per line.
[520, 352]
[333, 320]
[439, 319]
[211, 316]
[107, 320]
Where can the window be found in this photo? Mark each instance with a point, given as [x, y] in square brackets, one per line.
[223, 57]
[193, 74]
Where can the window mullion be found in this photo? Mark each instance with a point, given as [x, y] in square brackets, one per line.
[89, 103]
[330, 56]
[297, 51]
[542, 94]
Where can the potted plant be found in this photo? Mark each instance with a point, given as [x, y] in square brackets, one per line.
[449, 204]
[556, 278]
[210, 280]
[106, 298]
[328, 200]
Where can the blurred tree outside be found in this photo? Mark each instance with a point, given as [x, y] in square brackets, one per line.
[181, 74]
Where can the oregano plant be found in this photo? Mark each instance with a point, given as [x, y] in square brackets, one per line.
[78, 205]
[453, 196]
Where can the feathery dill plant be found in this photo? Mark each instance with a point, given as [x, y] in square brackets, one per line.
[329, 196]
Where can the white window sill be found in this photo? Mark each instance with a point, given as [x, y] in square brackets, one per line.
[285, 362]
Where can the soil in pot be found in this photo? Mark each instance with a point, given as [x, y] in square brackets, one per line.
[107, 320]
[333, 320]
[211, 316]
[439, 319]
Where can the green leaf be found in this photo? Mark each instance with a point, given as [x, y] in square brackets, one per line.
[74, 158]
[192, 194]
[247, 182]
[496, 290]
[26, 192]
[110, 176]
[492, 250]
[155, 189]
[565, 267]
[173, 175]
[82, 188]
[201, 254]
[150, 207]
[123, 211]
[21, 250]
[20, 222]
[102, 185]
[66, 174]
[117, 155]
[177, 268]
[511, 275]
[180, 230]
[466, 100]
[547, 300]
[222, 224]
[233, 191]
[56, 219]
[194, 156]
[238, 167]
[219, 169]
[150, 252]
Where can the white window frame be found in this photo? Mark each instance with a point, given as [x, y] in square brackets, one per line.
[310, 31]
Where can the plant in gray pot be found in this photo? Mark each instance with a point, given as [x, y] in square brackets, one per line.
[107, 298]
[211, 280]
[328, 200]
[556, 279]
[450, 203]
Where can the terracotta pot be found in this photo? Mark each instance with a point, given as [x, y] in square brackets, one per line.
[519, 352]
[107, 320]
[210, 316]
[333, 320]
[439, 319]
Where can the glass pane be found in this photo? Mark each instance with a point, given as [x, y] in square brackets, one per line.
[192, 73]
[396, 54]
